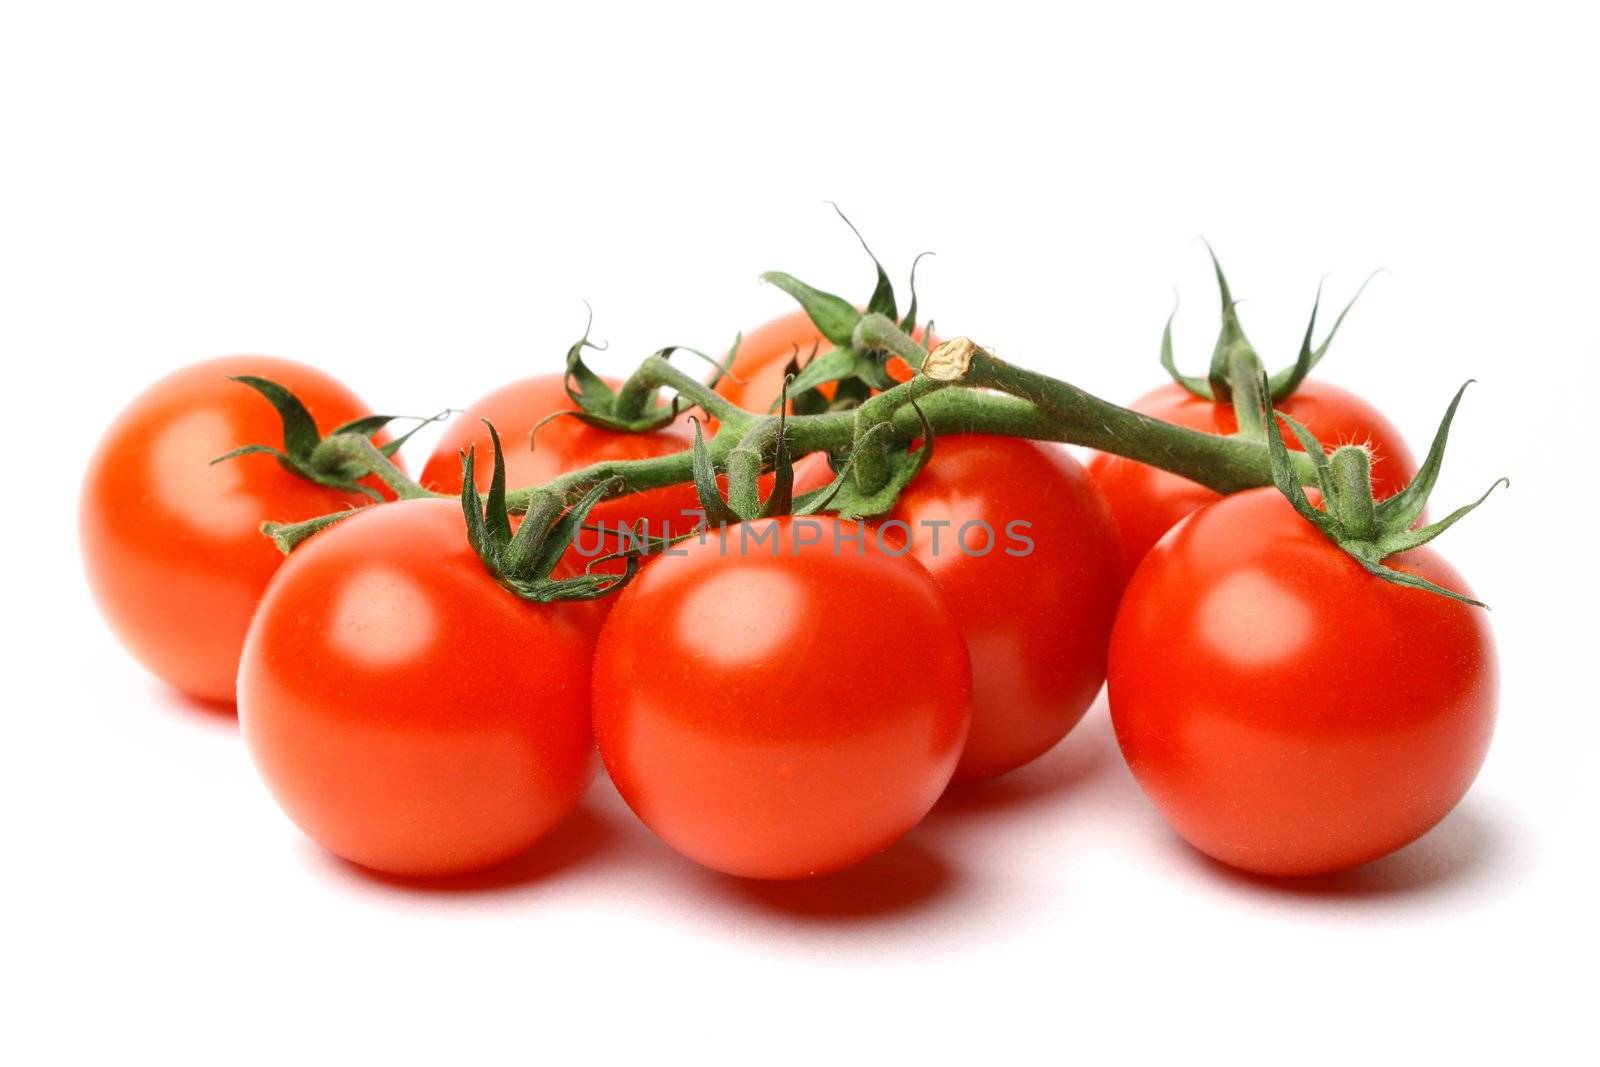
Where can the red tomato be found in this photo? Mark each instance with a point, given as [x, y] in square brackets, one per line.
[172, 545]
[566, 444]
[780, 709]
[1036, 600]
[1148, 501]
[1286, 711]
[764, 355]
[562, 445]
[407, 712]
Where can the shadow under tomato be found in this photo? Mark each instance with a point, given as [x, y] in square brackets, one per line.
[584, 835]
[1080, 757]
[1462, 849]
[217, 711]
[903, 879]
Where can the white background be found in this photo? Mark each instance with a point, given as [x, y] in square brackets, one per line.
[418, 199]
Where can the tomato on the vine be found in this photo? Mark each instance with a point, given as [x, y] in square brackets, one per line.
[566, 444]
[561, 445]
[1149, 501]
[755, 378]
[1020, 540]
[407, 712]
[782, 699]
[172, 542]
[1288, 712]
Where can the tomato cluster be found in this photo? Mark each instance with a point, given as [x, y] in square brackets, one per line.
[785, 696]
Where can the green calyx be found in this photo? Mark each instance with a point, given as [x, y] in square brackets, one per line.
[855, 495]
[1369, 530]
[524, 561]
[1233, 357]
[764, 448]
[342, 458]
[856, 369]
[598, 404]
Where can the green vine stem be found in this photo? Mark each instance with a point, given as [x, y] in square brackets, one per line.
[1226, 464]
[1036, 406]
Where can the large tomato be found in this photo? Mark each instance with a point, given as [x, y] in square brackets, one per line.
[171, 543]
[1020, 539]
[1148, 501]
[407, 712]
[1286, 711]
[785, 707]
[756, 378]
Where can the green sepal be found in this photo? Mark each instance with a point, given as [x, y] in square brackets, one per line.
[1286, 381]
[834, 317]
[712, 502]
[743, 501]
[371, 425]
[305, 452]
[1198, 386]
[909, 323]
[845, 497]
[1403, 508]
[1390, 521]
[882, 300]
[802, 401]
[300, 434]
[524, 562]
[1313, 448]
[586, 388]
[836, 364]
[723, 368]
[781, 499]
[1217, 384]
[1288, 483]
[598, 404]
[289, 535]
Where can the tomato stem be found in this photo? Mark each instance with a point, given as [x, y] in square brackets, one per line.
[1350, 471]
[1226, 464]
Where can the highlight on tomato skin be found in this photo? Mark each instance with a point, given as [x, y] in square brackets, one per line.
[1288, 712]
[760, 721]
[171, 542]
[1035, 586]
[1148, 501]
[406, 711]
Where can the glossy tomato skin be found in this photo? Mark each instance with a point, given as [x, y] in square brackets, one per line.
[754, 711]
[408, 713]
[1148, 501]
[172, 544]
[758, 370]
[1287, 712]
[1036, 598]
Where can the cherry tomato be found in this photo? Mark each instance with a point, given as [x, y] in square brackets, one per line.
[562, 445]
[172, 544]
[1020, 539]
[407, 712]
[1148, 501]
[786, 707]
[756, 380]
[566, 444]
[1287, 712]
